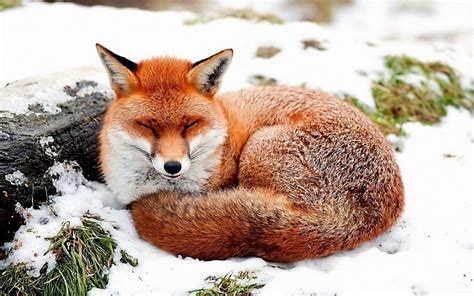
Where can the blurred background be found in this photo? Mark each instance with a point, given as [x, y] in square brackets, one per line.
[446, 23]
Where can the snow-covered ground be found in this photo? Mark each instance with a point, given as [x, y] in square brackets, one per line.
[429, 251]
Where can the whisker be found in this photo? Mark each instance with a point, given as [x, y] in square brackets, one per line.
[136, 148]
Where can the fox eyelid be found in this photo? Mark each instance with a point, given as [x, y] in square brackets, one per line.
[147, 126]
[189, 125]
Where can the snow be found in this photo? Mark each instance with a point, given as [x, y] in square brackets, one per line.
[430, 250]
[17, 178]
[48, 90]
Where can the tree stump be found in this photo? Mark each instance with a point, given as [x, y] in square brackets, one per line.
[30, 143]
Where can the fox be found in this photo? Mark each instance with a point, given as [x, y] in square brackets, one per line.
[277, 172]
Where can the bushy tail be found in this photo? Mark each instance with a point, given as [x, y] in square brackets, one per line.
[243, 222]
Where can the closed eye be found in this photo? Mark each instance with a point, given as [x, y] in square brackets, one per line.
[191, 124]
[147, 126]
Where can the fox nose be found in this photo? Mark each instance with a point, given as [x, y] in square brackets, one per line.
[172, 167]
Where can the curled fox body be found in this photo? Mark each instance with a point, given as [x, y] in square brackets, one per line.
[277, 172]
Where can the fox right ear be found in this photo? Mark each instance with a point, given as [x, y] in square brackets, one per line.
[206, 75]
[120, 71]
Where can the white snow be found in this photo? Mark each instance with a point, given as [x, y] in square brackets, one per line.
[17, 178]
[48, 89]
[430, 250]
[49, 148]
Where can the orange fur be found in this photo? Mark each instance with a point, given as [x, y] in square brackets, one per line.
[299, 175]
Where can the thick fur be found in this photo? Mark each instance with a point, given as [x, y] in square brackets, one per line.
[289, 173]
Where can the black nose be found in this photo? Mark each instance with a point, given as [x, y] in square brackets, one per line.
[172, 167]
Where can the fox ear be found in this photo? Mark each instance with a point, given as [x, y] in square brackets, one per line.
[206, 75]
[120, 70]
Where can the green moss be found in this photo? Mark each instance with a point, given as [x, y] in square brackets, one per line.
[83, 256]
[5, 4]
[245, 13]
[398, 101]
[240, 284]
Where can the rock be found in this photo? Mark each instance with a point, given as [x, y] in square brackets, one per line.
[32, 141]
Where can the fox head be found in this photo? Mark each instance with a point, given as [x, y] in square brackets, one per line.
[165, 129]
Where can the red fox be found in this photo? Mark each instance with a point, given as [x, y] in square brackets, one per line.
[281, 173]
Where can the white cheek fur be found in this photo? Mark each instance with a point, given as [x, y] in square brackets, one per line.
[131, 174]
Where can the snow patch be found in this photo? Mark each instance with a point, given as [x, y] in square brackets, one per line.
[49, 149]
[17, 178]
[47, 90]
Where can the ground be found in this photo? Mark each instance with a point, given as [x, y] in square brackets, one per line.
[430, 250]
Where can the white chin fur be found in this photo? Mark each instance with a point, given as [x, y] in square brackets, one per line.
[132, 175]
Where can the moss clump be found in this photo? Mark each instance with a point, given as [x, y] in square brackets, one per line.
[126, 258]
[260, 79]
[245, 13]
[313, 43]
[397, 100]
[83, 256]
[230, 284]
[266, 52]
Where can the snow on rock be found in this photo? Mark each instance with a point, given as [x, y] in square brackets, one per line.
[430, 250]
[17, 178]
[48, 90]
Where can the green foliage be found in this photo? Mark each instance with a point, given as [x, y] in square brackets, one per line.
[245, 13]
[230, 284]
[83, 256]
[16, 280]
[397, 100]
[5, 4]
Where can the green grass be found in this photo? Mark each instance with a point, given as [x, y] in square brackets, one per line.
[241, 284]
[83, 256]
[5, 4]
[398, 102]
[244, 13]
[16, 280]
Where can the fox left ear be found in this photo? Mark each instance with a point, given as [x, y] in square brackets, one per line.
[121, 71]
[206, 75]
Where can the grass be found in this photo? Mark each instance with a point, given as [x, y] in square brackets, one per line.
[5, 4]
[398, 101]
[83, 256]
[230, 284]
[244, 13]
[16, 280]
